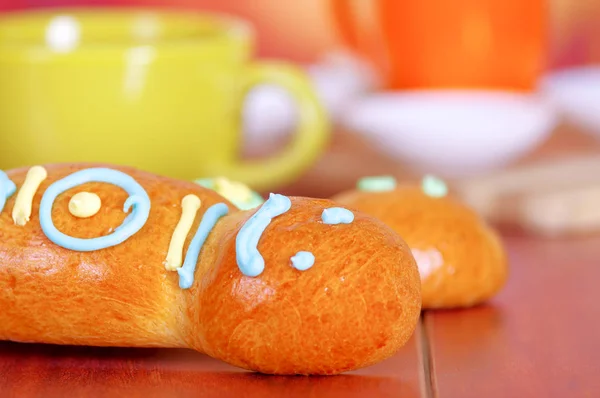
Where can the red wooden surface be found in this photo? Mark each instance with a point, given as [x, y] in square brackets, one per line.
[538, 338]
[29, 370]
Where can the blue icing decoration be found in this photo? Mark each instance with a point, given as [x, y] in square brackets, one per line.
[434, 187]
[7, 189]
[138, 199]
[303, 261]
[207, 183]
[249, 260]
[337, 215]
[210, 218]
[377, 184]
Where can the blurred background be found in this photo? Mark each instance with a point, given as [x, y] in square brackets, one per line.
[499, 97]
[305, 32]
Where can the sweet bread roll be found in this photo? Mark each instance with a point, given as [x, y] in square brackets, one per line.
[460, 258]
[296, 286]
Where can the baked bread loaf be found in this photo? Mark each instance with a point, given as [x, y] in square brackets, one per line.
[460, 258]
[287, 288]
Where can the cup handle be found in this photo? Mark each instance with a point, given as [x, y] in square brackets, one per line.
[308, 142]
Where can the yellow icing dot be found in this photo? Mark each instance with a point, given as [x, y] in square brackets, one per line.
[189, 207]
[84, 204]
[234, 191]
[22, 210]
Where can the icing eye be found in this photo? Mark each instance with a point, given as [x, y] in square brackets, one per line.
[376, 184]
[138, 200]
[434, 187]
[84, 204]
[303, 260]
[337, 215]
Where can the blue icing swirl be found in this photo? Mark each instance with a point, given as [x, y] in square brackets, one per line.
[303, 261]
[248, 258]
[138, 199]
[7, 189]
[337, 215]
[210, 218]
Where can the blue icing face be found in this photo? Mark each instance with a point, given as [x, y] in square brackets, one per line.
[249, 260]
[337, 215]
[7, 189]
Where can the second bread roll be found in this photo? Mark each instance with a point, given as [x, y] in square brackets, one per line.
[461, 259]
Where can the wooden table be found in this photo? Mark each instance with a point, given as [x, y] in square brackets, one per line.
[538, 338]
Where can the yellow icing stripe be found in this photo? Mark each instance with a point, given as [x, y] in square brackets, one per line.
[189, 205]
[22, 210]
[234, 191]
[84, 204]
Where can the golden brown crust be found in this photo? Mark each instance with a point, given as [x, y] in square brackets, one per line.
[120, 296]
[357, 305]
[462, 261]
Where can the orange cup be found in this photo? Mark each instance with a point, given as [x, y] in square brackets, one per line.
[416, 44]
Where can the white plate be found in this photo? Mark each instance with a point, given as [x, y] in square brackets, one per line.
[576, 91]
[453, 133]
